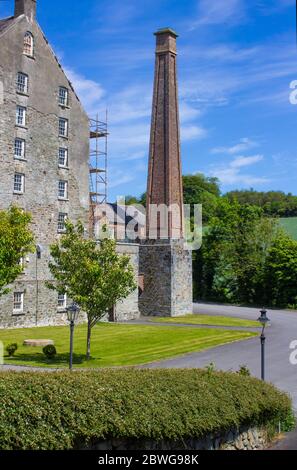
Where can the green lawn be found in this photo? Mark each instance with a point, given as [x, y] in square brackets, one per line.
[116, 344]
[208, 320]
[290, 226]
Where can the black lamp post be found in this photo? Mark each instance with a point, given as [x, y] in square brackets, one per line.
[263, 319]
[72, 313]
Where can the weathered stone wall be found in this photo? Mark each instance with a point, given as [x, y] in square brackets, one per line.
[167, 270]
[40, 167]
[128, 308]
[243, 439]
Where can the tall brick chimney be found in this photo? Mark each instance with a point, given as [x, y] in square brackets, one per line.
[165, 263]
[25, 7]
[165, 174]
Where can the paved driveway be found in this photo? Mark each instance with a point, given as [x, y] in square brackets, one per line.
[279, 335]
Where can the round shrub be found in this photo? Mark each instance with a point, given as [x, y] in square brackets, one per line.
[11, 349]
[50, 351]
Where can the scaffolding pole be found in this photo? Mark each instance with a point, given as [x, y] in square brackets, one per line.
[98, 166]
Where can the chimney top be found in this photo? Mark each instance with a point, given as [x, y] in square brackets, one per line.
[25, 7]
[166, 31]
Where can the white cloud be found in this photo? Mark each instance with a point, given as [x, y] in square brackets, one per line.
[218, 12]
[89, 92]
[241, 161]
[231, 174]
[192, 133]
[244, 144]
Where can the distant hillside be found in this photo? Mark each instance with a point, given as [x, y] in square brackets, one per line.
[290, 225]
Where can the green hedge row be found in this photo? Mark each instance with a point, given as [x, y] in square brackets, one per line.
[60, 410]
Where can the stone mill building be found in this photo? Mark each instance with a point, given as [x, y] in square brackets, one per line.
[44, 156]
[44, 151]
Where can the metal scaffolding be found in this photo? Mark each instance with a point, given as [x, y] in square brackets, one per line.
[98, 165]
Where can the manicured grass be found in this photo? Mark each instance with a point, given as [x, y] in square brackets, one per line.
[208, 320]
[290, 226]
[116, 344]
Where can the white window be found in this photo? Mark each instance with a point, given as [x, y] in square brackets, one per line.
[63, 156]
[63, 190]
[63, 96]
[19, 148]
[62, 301]
[20, 116]
[61, 221]
[18, 302]
[22, 83]
[63, 127]
[28, 44]
[19, 183]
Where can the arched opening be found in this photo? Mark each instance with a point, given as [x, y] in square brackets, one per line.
[29, 44]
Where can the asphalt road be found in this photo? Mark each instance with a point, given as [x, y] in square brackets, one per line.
[279, 336]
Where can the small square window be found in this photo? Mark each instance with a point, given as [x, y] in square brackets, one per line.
[63, 157]
[62, 301]
[22, 83]
[63, 190]
[19, 183]
[63, 96]
[21, 116]
[61, 222]
[19, 149]
[63, 127]
[18, 302]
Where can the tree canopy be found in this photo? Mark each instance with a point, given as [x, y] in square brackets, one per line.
[93, 275]
[16, 241]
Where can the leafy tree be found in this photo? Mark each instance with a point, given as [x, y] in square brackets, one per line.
[131, 200]
[200, 189]
[16, 241]
[273, 203]
[281, 272]
[234, 252]
[93, 275]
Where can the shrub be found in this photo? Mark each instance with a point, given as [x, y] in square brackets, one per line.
[50, 351]
[59, 411]
[11, 349]
[244, 370]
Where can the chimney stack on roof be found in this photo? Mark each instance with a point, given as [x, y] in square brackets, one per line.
[25, 7]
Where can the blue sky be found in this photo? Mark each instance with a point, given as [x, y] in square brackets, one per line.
[237, 59]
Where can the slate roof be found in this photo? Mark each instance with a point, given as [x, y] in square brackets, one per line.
[5, 23]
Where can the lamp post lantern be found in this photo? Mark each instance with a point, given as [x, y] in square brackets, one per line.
[264, 320]
[72, 313]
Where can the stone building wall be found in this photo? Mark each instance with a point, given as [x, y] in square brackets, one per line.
[40, 166]
[166, 267]
[128, 308]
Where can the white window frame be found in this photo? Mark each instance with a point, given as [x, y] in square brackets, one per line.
[62, 301]
[63, 96]
[18, 302]
[21, 115]
[62, 217]
[28, 48]
[21, 183]
[63, 127]
[21, 148]
[63, 186]
[22, 83]
[64, 151]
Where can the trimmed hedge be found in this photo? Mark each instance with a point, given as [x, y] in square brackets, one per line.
[62, 410]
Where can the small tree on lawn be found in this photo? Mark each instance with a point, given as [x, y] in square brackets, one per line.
[92, 274]
[16, 241]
